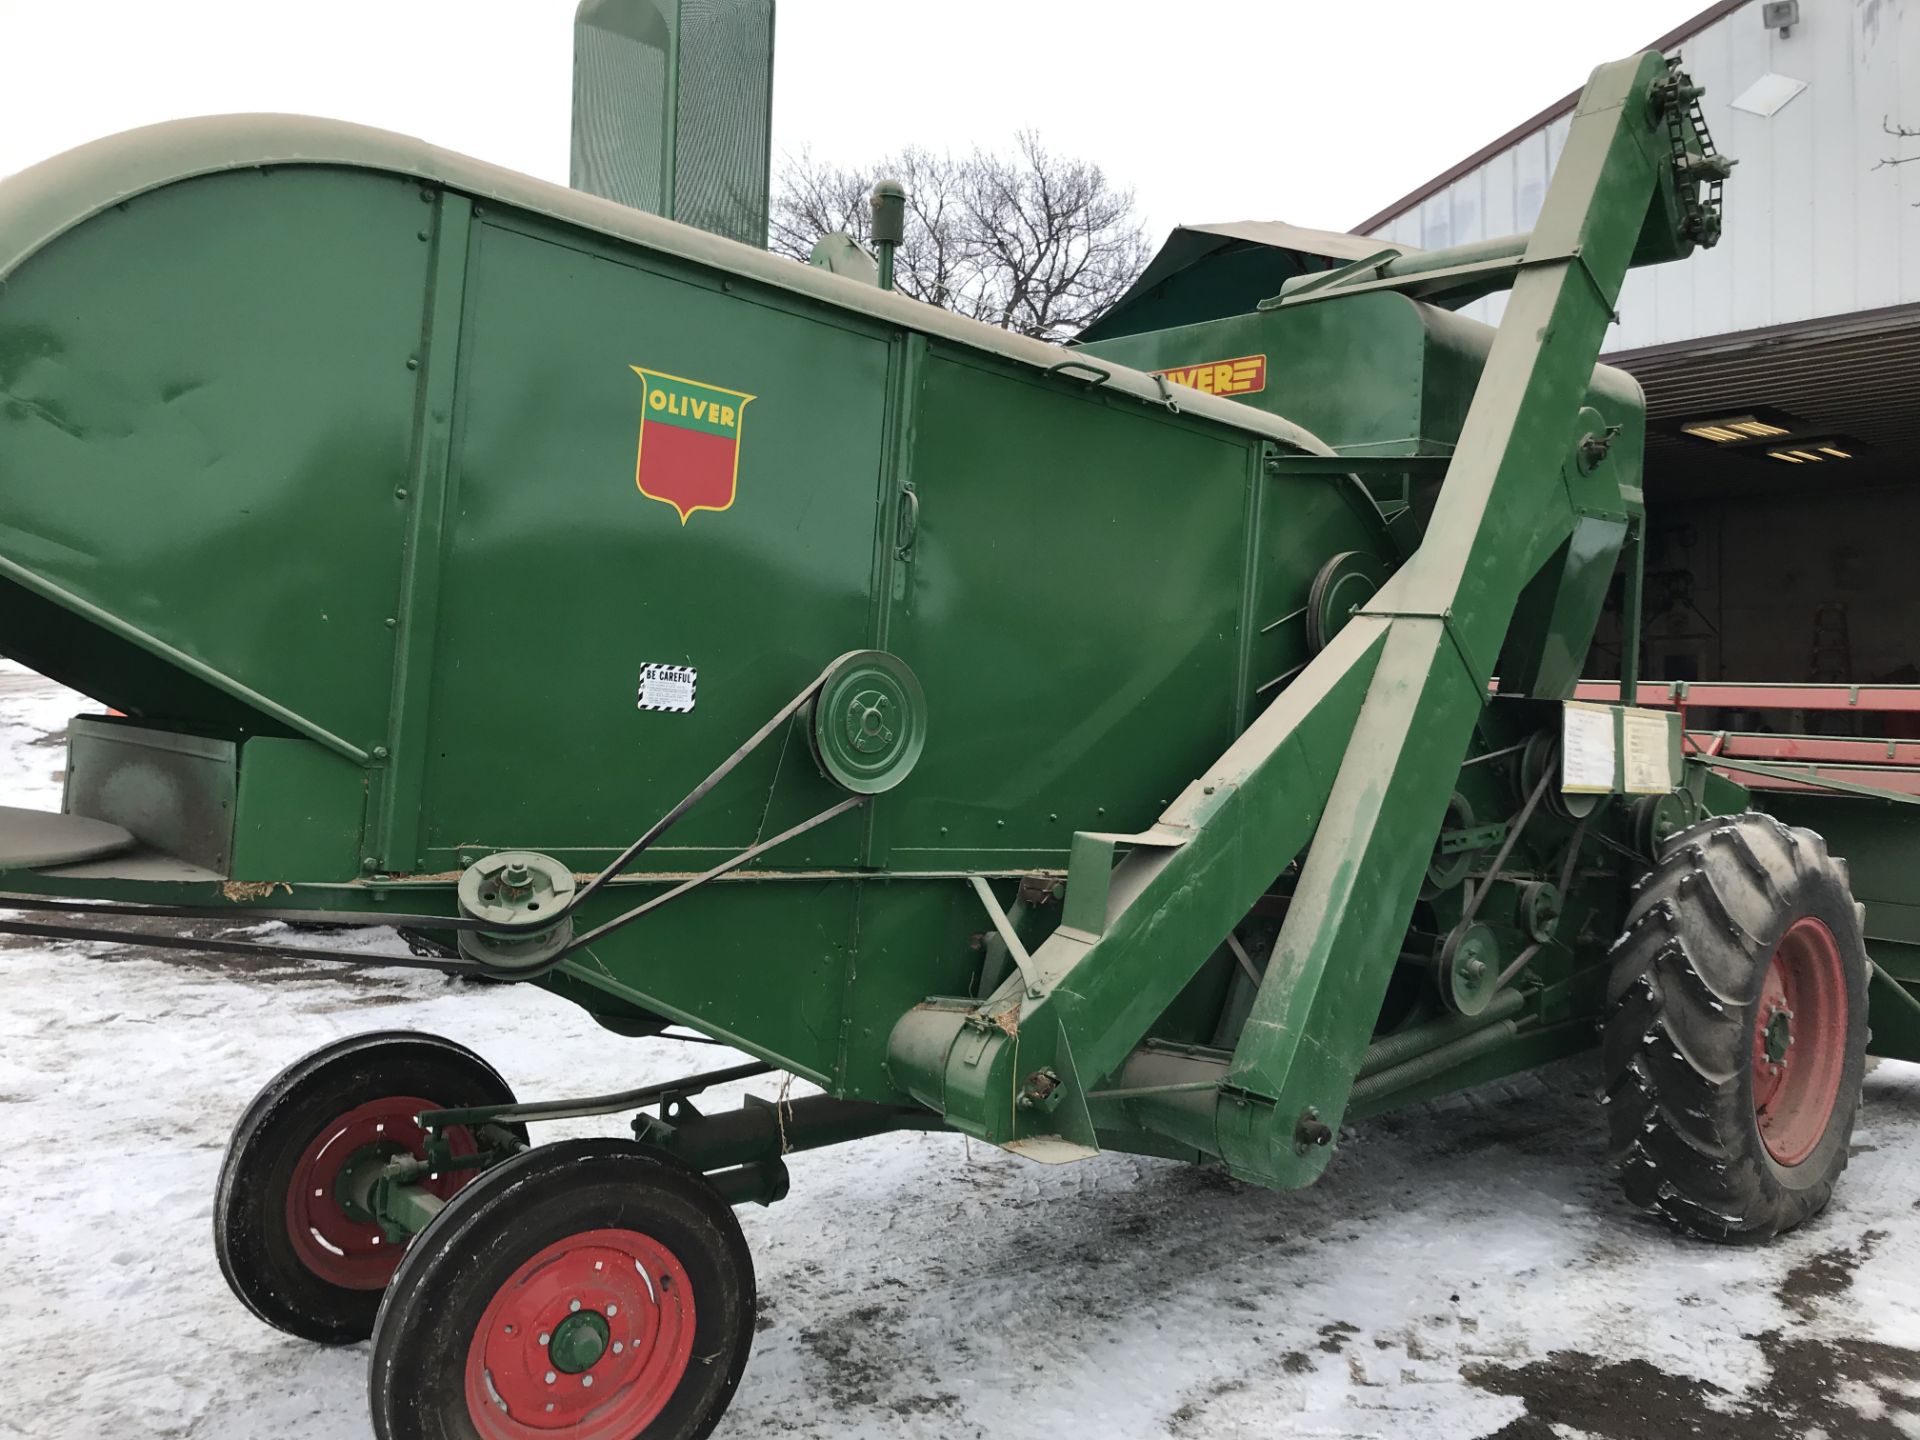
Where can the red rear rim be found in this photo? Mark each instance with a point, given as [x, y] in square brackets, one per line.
[1799, 1041]
[590, 1337]
[333, 1233]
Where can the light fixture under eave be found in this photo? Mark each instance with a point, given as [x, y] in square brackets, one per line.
[1816, 451]
[1739, 429]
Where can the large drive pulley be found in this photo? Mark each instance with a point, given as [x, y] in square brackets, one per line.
[869, 722]
[1542, 757]
[1342, 586]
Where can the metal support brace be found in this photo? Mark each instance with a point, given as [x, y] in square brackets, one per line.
[1338, 944]
[1003, 926]
[740, 1151]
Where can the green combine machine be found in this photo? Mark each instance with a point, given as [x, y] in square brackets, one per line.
[1165, 745]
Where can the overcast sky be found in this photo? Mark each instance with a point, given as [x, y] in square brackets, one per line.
[1216, 110]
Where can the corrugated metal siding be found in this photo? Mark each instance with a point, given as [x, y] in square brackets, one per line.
[1812, 228]
[1857, 376]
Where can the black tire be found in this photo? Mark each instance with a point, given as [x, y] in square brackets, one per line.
[1684, 1028]
[478, 1248]
[252, 1231]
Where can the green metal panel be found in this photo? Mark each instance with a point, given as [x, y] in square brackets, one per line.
[1353, 374]
[298, 813]
[1073, 610]
[560, 578]
[167, 423]
[1376, 374]
[764, 965]
[394, 838]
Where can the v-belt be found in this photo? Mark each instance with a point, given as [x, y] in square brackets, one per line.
[360, 919]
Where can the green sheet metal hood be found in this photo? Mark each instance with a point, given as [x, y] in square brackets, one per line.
[1205, 272]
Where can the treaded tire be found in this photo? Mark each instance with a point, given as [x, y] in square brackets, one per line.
[1684, 1001]
[420, 1384]
[251, 1236]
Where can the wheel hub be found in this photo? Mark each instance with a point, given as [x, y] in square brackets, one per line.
[333, 1233]
[578, 1342]
[1779, 1035]
[590, 1337]
[867, 729]
[353, 1186]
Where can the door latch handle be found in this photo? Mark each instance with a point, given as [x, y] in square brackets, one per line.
[908, 525]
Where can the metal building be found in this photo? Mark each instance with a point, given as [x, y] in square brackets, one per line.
[1782, 369]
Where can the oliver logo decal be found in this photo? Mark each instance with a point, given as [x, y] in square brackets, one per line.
[1242, 376]
[689, 454]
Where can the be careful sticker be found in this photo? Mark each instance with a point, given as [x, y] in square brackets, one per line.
[667, 687]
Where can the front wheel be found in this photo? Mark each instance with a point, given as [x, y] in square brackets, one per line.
[590, 1288]
[1737, 1030]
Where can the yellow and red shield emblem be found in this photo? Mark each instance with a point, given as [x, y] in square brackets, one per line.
[689, 453]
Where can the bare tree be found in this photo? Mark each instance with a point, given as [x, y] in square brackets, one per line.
[934, 263]
[1899, 132]
[1032, 242]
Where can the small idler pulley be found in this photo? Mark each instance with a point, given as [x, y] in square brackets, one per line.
[517, 888]
[1467, 969]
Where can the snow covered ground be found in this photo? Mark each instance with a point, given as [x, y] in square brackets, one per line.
[1465, 1270]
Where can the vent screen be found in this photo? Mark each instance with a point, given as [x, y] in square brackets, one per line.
[672, 109]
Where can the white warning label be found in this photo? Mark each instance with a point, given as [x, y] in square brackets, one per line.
[667, 687]
[1647, 750]
[1587, 757]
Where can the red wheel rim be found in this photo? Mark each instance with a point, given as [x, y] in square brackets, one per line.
[327, 1221]
[527, 1377]
[1799, 1041]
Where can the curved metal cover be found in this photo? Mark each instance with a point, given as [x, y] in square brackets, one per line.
[44, 201]
[1205, 272]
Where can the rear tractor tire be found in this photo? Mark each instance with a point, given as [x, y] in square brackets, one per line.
[589, 1288]
[294, 1238]
[1736, 1030]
